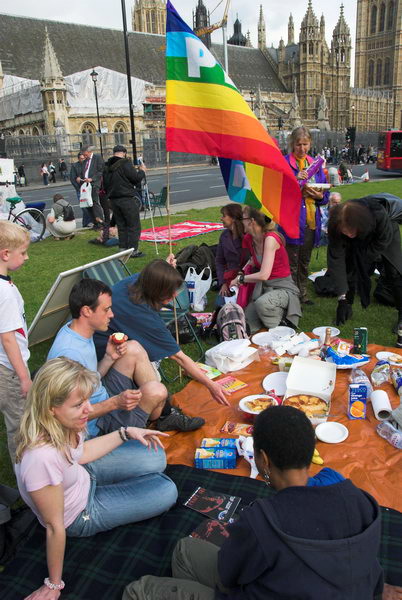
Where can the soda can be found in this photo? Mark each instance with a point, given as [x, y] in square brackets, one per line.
[360, 340]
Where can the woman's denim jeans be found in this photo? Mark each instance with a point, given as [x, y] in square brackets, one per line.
[127, 485]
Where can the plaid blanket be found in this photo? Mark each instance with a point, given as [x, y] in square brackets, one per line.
[99, 567]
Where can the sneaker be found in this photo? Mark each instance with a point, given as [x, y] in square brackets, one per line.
[136, 254]
[177, 421]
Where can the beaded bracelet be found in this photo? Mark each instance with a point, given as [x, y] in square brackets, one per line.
[54, 586]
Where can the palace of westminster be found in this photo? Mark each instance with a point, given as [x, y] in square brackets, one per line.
[46, 89]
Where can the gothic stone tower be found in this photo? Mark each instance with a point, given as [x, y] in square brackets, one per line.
[149, 16]
[262, 38]
[378, 57]
[201, 20]
[341, 47]
[53, 90]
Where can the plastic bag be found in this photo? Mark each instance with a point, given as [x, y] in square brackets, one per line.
[381, 373]
[198, 285]
[86, 195]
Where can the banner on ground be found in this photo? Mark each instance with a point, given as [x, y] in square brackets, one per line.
[206, 114]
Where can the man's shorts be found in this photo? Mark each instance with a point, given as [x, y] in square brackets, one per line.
[115, 383]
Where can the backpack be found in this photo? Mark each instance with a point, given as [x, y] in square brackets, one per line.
[197, 257]
[231, 322]
[68, 213]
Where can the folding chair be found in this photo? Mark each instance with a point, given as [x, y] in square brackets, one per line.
[109, 272]
[156, 201]
[182, 302]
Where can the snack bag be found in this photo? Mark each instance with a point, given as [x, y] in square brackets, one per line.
[381, 373]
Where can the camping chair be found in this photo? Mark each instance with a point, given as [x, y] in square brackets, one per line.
[182, 302]
[156, 201]
[110, 272]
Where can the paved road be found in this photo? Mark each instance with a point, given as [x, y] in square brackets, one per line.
[187, 185]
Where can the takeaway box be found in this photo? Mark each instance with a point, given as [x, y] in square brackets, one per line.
[309, 387]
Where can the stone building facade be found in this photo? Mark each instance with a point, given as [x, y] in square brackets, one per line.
[149, 16]
[378, 63]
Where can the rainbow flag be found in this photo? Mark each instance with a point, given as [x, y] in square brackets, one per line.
[206, 114]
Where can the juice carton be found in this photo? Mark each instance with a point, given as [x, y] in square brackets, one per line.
[215, 458]
[357, 404]
[221, 442]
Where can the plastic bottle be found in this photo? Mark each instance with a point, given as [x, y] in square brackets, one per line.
[396, 377]
[381, 373]
[390, 433]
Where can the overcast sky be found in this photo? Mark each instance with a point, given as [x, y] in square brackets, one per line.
[276, 13]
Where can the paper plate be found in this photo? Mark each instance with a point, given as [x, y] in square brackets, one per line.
[275, 382]
[264, 338]
[244, 408]
[387, 356]
[320, 331]
[281, 331]
[331, 432]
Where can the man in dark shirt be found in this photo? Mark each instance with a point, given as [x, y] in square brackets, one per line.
[120, 180]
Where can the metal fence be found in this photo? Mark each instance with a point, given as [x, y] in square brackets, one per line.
[34, 150]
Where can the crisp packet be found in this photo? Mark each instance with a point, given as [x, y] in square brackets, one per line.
[346, 360]
[237, 428]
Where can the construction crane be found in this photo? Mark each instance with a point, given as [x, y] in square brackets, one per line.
[222, 23]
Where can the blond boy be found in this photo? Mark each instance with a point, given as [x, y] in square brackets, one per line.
[15, 379]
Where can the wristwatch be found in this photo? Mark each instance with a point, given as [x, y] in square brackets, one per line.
[240, 278]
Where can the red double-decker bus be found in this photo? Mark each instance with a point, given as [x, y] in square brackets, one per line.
[389, 155]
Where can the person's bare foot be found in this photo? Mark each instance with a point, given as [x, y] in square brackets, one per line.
[392, 592]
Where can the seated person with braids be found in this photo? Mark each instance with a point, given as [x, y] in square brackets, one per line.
[315, 539]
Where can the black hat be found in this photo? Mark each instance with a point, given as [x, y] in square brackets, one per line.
[119, 148]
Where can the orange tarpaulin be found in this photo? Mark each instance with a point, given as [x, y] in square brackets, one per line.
[367, 459]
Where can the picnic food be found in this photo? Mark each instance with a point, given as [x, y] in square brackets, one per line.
[312, 406]
[395, 358]
[317, 460]
[118, 338]
[259, 404]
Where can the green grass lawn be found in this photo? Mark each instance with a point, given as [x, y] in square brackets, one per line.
[48, 258]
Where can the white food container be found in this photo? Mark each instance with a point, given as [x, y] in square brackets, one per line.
[312, 378]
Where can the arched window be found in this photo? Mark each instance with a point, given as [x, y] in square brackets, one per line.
[373, 24]
[378, 78]
[387, 71]
[390, 20]
[21, 132]
[370, 81]
[88, 131]
[311, 48]
[35, 131]
[119, 131]
[381, 25]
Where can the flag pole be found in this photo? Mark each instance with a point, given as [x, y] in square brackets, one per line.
[176, 324]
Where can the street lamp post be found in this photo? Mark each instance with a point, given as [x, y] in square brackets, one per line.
[130, 92]
[252, 100]
[94, 77]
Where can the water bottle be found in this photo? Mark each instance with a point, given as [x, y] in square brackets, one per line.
[390, 433]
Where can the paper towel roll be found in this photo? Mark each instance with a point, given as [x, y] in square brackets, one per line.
[381, 405]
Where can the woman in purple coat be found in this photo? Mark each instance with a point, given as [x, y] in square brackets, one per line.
[299, 249]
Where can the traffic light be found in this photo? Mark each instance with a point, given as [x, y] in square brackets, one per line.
[351, 135]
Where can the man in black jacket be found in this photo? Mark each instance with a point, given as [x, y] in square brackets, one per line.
[361, 233]
[120, 180]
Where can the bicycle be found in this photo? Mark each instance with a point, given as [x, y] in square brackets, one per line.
[26, 217]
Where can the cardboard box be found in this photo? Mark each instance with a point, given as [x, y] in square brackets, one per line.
[215, 458]
[312, 378]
